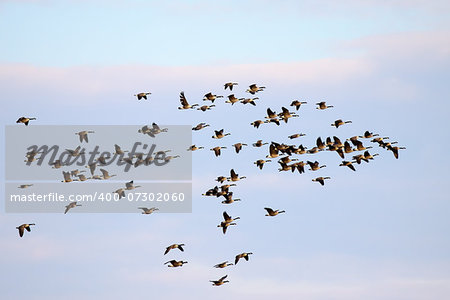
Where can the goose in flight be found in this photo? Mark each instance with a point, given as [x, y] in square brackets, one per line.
[22, 227]
[260, 163]
[228, 219]
[322, 105]
[211, 192]
[271, 114]
[348, 164]
[238, 146]
[243, 255]
[259, 143]
[229, 85]
[320, 144]
[296, 135]
[211, 97]
[297, 104]
[146, 130]
[358, 158]
[142, 95]
[24, 186]
[368, 135]
[184, 103]
[174, 246]
[156, 129]
[253, 89]
[286, 159]
[31, 156]
[359, 145]
[223, 265]
[71, 205]
[106, 174]
[221, 179]
[272, 213]
[130, 185]
[249, 100]
[205, 107]
[218, 134]
[321, 180]
[394, 150]
[194, 148]
[232, 99]
[76, 152]
[315, 165]
[120, 192]
[368, 156]
[84, 135]
[257, 123]
[234, 176]
[217, 149]
[148, 211]
[300, 150]
[67, 177]
[200, 126]
[24, 120]
[348, 148]
[339, 122]
[57, 164]
[219, 281]
[273, 151]
[119, 150]
[174, 263]
[299, 166]
[284, 167]
[228, 222]
[229, 198]
[285, 114]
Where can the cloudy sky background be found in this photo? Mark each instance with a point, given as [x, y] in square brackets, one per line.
[378, 233]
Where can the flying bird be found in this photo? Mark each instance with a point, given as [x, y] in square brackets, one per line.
[219, 281]
[322, 105]
[321, 180]
[242, 255]
[253, 89]
[84, 135]
[297, 104]
[22, 227]
[71, 205]
[272, 213]
[230, 85]
[142, 95]
[223, 265]
[184, 103]
[339, 122]
[174, 263]
[174, 246]
[211, 97]
[24, 120]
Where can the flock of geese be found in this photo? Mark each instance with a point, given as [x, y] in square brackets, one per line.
[286, 155]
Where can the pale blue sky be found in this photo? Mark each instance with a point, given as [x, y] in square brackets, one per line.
[378, 233]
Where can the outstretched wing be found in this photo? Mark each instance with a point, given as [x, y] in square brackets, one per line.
[183, 99]
[20, 231]
[269, 210]
[226, 216]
